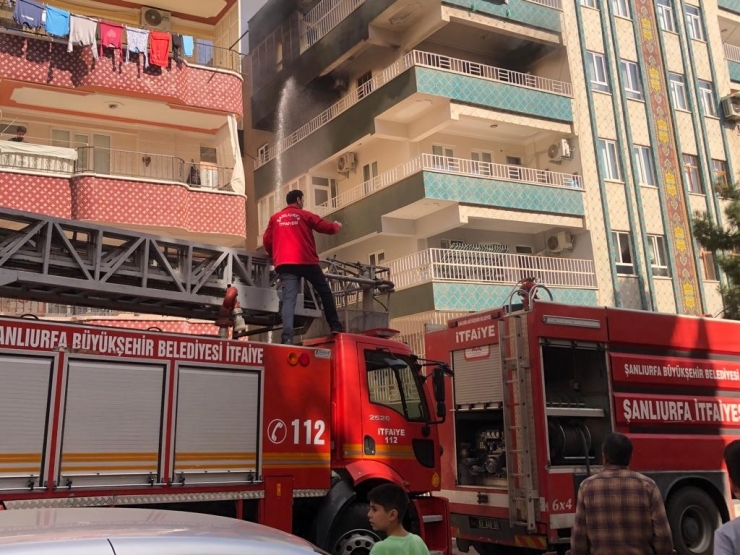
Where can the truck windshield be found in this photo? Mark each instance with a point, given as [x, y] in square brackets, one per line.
[397, 388]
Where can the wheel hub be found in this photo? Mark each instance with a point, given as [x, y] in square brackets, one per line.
[695, 529]
[355, 542]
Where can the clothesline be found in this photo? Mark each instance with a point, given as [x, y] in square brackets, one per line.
[82, 30]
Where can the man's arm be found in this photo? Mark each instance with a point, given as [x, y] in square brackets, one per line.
[662, 538]
[317, 223]
[579, 532]
[267, 239]
[723, 542]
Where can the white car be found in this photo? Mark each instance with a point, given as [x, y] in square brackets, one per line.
[118, 531]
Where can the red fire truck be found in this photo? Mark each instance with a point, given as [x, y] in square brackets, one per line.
[289, 436]
[538, 385]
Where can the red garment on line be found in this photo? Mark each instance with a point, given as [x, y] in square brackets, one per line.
[111, 36]
[159, 48]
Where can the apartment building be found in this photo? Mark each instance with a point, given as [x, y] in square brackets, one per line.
[467, 144]
[143, 136]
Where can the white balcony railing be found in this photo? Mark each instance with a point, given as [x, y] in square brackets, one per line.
[555, 4]
[453, 265]
[421, 59]
[317, 23]
[732, 53]
[453, 166]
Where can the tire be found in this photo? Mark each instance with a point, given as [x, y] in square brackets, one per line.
[693, 517]
[351, 533]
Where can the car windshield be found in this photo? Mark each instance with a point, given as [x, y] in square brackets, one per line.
[395, 385]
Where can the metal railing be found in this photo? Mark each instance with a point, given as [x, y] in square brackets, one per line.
[36, 163]
[454, 166]
[317, 23]
[732, 52]
[454, 265]
[421, 59]
[159, 167]
[555, 4]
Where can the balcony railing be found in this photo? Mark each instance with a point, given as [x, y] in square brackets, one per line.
[732, 53]
[323, 18]
[157, 167]
[421, 59]
[36, 163]
[451, 265]
[453, 166]
[556, 4]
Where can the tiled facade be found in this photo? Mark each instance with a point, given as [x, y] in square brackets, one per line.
[632, 88]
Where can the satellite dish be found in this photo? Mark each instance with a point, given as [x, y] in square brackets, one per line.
[153, 18]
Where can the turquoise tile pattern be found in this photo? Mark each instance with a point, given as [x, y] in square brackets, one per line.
[521, 11]
[482, 296]
[492, 94]
[734, 71]
[730, 5]
[503, 194]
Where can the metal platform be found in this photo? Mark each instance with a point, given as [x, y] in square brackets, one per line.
[68, 262]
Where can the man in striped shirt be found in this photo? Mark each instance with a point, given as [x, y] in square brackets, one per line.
[620, 511]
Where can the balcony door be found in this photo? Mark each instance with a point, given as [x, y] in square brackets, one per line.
[324, 192]
[93, 151]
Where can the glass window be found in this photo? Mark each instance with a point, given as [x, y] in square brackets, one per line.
[707, 262]
[708, 102]
[609, 160]
[631, 79]
[397, 388]
[666, 17]
[645, 169]
[623, 253]
[678, 91]
[658, 257]
[691, 173]
[266, 208]
[596, 65]
[621, 8]
[588, 3]
[719, 168]
[693, 23]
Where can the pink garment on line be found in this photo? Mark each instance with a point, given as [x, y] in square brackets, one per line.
[111, 36]
[159, 47]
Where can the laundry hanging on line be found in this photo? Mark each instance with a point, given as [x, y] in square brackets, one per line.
[82, 31]
[57, 22]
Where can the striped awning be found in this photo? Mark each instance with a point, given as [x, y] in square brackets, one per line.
[479, 247]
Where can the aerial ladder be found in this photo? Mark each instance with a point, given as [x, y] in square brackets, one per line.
[54, 260]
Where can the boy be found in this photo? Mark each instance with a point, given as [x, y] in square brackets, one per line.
[727, 537]
[388, 504]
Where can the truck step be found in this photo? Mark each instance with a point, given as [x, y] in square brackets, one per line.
[432, 518]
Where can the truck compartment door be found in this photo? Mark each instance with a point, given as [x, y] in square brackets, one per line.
[24, 408]
[112, 423]
[217, 425]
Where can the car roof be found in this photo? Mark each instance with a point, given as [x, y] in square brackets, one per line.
[141, 531]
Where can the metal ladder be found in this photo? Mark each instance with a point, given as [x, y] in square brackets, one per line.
[515, 375]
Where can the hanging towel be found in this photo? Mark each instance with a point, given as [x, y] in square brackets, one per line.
[137, 41]
[188, 46]
[111, 37]
[29, 13]
[82, 31]
[159, 44]
[57, 22]
[176, 46]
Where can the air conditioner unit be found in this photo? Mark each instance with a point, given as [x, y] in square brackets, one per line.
[559, 242]
[559, 151]
[347, 163]
[731, 107]
[152, 18]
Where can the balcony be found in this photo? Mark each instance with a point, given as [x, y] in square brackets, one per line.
[450, 279]
[729, 5]
[537, 13]
[30, 59]
[732, 55]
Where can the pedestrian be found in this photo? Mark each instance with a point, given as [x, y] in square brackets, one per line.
[20, 135]
[388, 504]
[727, 537]
[289, 241]
[620, 511]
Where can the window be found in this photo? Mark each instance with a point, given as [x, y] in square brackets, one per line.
[666, 18]
[658, 256]
[693, 23]
[691, 173]
[442, 156]
[644, 162]
[366, 80]
[620, 8]
[596, 65]
[514, 163]
[623, 253]
[719, 169]
[524, 249]
[678, 91]
[392, 383]
[266, 208]
[709, 104]
[707, 262]
[263, 153]
[324, 191]
[376, 258]
[369, 173]
[588, 3]
[481, 162]
[609, 160]
[93, 152]
[209, 167]
[631, 79]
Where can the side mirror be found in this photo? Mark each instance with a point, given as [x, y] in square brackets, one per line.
[441, 410]
[438, 384]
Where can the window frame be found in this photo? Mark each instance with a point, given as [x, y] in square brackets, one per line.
[627, 68]
[601, 86]
[676, 82]
[646, 169]
[658, 252]
[589, 4]
[708, 98]
[424, 416]
[607, 163]
[694, 23]
[666, 13]
[720, 171]
[692, 169]
[621, 9]
[628, 268]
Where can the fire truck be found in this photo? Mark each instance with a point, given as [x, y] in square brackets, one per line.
[537, 385]
[289, 436]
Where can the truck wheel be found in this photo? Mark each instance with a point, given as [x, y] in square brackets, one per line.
[693, 518]
[351, 533]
